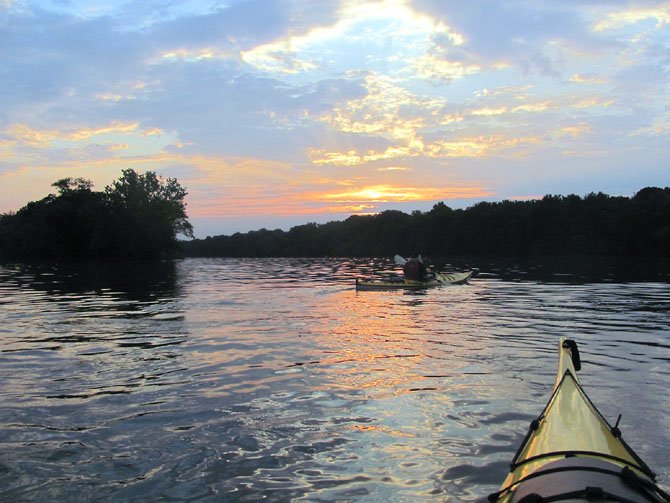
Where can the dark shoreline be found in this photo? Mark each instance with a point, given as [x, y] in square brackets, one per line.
[547, 269]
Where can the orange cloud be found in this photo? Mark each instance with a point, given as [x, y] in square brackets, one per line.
[587, 79]
[533, 107]
[394, 168]
[383, 193]
[575, 131]
[287, 200]
[482, 146]
[217, 186]
[22, 133]
[119, 146]
[390, 193]
[593, 102]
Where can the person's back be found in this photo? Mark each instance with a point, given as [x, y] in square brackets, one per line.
[414, 269]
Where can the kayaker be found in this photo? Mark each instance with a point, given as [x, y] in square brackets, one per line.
[415, 269]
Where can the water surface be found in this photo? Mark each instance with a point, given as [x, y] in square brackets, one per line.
[241, 380]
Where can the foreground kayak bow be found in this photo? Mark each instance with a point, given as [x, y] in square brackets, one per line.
[571, 453]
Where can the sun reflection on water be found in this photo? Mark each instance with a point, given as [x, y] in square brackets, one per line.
[275, 379]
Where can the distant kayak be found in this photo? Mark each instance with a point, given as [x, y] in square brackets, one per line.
[571, 453]
[393, 282]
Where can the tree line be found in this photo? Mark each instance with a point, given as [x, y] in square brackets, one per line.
[138, 216]
[596, 224]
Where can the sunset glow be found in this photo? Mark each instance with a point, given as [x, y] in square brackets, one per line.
[311, 113]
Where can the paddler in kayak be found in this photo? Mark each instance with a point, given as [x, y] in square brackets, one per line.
[415, 270]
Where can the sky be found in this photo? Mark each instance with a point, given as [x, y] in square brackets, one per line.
[274, 113]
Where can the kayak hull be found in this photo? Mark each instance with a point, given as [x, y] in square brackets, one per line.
[572, 453]
[402, 283]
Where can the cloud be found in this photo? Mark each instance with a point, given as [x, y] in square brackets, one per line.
[489, 111]
[587, 79]
[21, 136]
[659, 14]
[519, 34]
[365, 25]
[575, 131]
[389, 193]
[265, 106]
[394, 168]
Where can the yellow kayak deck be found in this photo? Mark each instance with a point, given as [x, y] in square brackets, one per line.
[570, 449]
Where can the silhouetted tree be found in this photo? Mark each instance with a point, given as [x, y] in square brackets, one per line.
[138, 216]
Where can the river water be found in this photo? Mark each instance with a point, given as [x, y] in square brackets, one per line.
[273, 379]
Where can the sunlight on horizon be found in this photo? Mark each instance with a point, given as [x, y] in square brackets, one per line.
[355, 106]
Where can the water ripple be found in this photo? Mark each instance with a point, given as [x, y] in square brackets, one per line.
[241, 379]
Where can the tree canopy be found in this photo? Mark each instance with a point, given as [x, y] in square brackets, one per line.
[138, 216]
[142, 215]
[596, 224]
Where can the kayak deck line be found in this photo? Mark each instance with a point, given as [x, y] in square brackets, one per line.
[624, 477]
[571, 452]
[635, 462]
[574, 454]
